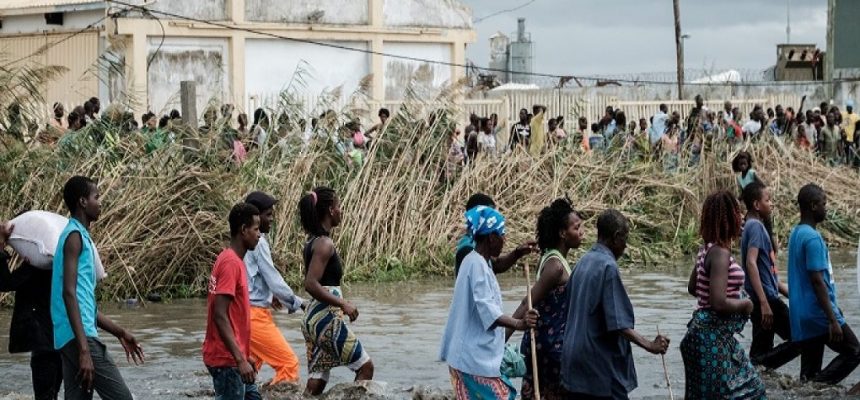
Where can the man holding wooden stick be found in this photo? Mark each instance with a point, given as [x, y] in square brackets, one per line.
[597, 362]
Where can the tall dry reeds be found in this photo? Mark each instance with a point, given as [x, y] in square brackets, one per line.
[164, 215]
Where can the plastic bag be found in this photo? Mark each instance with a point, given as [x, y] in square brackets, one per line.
[513, 362]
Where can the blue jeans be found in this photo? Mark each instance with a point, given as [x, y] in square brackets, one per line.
[229, 386]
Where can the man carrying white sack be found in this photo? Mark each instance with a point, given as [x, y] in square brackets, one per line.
[86, 364]
[31, 329]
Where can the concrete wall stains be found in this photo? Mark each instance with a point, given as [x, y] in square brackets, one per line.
[212, 10]
[197, 59]
[425, 79]
[427, 13]
[337, 12]
[323, 68]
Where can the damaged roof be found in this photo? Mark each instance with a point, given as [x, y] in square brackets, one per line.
[24, 5]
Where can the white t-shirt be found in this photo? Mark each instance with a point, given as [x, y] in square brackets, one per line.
[752, 126]
[487, 142]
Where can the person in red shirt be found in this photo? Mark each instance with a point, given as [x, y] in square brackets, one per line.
[228, 322]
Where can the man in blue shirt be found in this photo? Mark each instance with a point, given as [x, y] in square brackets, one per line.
[75, 315]
[816, 319]
[596, 359]
[770, 315]
[658, 125]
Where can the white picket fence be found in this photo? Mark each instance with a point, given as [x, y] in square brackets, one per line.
[507, 106]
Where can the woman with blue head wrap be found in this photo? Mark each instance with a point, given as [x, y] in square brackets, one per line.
[467, 242]
[473, 343]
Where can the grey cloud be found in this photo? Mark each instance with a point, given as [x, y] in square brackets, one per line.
[620, 36]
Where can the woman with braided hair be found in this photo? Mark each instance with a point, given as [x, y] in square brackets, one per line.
[559, 229]
[330, 342]
[715, 364]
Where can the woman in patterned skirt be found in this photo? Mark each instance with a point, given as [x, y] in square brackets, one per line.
[715, 364]
[473, 343]
[559, 229]
[330, 342]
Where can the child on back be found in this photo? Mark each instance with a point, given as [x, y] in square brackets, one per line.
[816, 319]
[770, 314]
[742, 165]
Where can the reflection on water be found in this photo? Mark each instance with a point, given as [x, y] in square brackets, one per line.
[400, 325]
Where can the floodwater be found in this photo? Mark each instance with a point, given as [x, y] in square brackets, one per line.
[400, 326]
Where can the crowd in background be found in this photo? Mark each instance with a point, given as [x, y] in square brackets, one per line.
[666, 137]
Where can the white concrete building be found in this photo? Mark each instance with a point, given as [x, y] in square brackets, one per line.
[150, 54]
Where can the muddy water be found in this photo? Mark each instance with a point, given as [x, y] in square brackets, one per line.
[400, 325]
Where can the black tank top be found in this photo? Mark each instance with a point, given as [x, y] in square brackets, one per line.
[333, 270]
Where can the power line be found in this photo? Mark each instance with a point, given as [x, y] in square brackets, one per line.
[521, 6]
[453, 64]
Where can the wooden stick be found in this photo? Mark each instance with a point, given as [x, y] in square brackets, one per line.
[666, 370]
[532, 331]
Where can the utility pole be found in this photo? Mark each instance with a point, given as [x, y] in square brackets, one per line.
[787, 21]
[188, 99]
[679, 51]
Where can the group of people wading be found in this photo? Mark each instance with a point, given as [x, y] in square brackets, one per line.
[241, 335]
[56, 316]
[582, 322]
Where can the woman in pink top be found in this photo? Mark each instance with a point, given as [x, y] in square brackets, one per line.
[715, 364]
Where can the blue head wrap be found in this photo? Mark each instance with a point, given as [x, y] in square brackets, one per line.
[483, 220]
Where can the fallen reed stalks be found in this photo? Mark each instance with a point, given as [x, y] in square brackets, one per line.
[164, 214]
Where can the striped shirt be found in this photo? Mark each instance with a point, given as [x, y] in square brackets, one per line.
[703, 279]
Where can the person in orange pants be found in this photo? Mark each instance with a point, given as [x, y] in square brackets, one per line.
[269, 346]
[267, 290]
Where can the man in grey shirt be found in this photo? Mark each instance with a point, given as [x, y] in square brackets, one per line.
[596, 356]
[267, 290]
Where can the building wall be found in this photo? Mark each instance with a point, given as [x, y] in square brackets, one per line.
[258, 65]
[203, 60]
[270, 66]
[78, 54]
[426, 79]
[33, 23]
[338, 12]
[210, 10]
[846, 31]
[842, 59]
[795, 74]
[427, 13]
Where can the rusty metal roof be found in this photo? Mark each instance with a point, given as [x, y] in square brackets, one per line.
[24, 4]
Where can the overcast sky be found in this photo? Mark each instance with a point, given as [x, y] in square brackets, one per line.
[622, 36]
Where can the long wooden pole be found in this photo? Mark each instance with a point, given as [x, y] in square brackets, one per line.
[532, 331]
[666, 370]
[679, 49]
